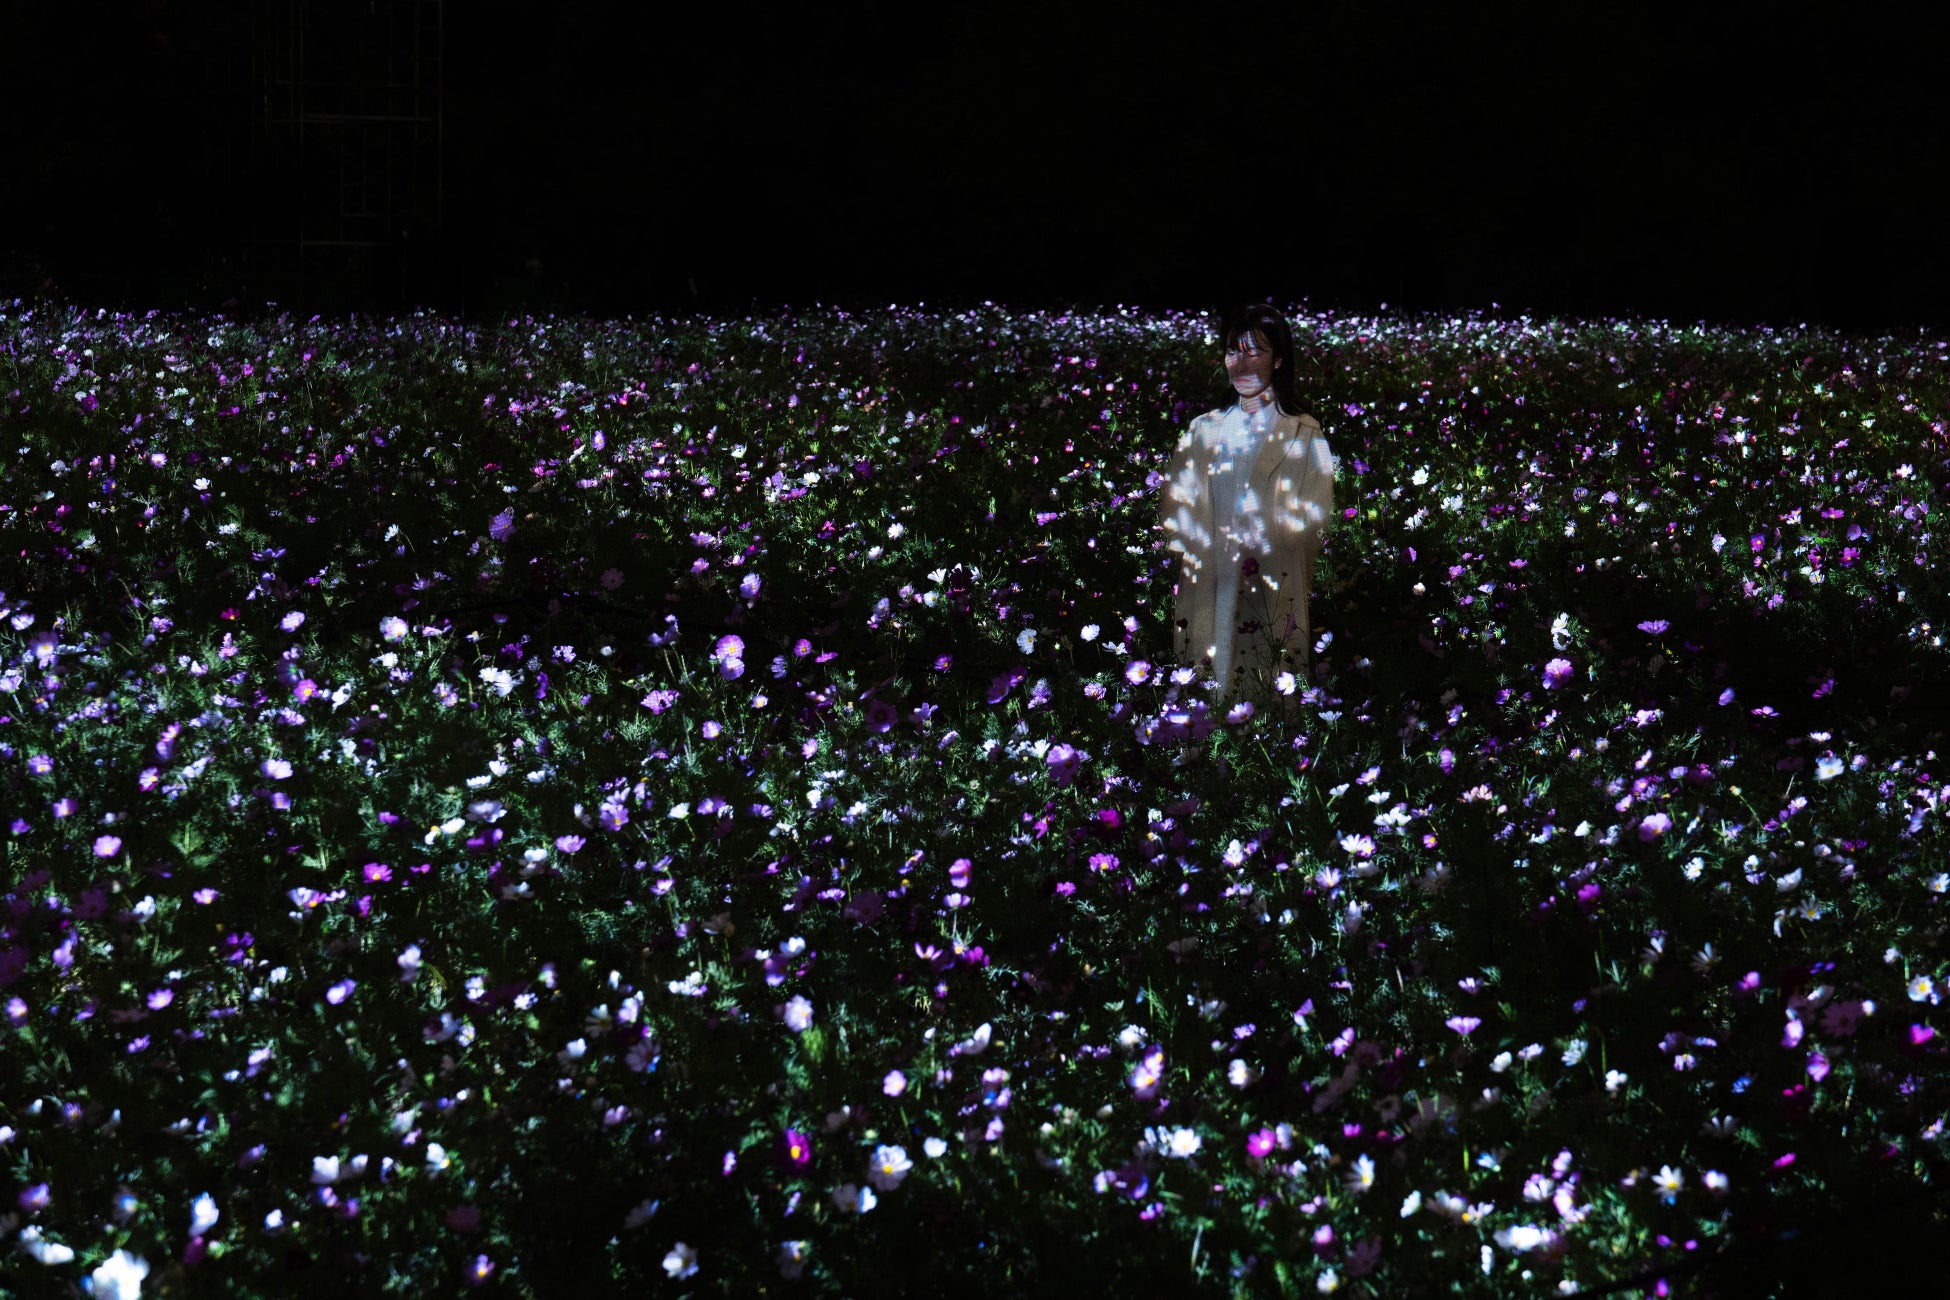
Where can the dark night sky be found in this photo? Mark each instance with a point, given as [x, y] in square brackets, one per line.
[1738, 162]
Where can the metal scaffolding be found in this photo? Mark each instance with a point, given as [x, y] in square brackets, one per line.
[346, 152]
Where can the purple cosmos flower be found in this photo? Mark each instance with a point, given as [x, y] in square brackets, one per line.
[1464, 1025]
[1064, 762]
[107, 846]
[378, 872]
[1654, 826]
[1259, 1144]
[569, 843]
[1654, 626]
[502, 526]
[293, 621]
[1556, 673]
[795, 1149]
[1130, 1181]
[275, 768]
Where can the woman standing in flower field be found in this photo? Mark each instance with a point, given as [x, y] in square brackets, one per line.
[1246, 505]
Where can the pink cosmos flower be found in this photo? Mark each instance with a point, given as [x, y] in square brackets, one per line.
[107, 846]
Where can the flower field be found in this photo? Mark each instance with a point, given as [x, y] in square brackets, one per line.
[698, 806]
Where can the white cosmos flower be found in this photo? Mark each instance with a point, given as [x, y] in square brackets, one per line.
[203, 1215]
[889, 1166]
[681, 1262]
[851, 1199]
[46, 1252]
[119, 1278]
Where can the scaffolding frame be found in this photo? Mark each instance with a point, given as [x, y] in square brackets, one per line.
[347, 150]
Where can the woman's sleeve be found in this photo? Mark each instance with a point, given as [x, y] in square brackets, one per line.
[1306, 508]
[1178, 502]
[1303, 509]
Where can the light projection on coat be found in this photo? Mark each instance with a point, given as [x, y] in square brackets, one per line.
[1246, 506]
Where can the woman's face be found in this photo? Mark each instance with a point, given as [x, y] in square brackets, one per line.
[1249, 364]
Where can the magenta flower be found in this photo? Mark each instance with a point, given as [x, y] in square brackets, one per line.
[1259, 1144]
[795, 1149]
[377, 872]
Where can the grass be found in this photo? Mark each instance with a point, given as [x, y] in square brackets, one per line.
[535, 806]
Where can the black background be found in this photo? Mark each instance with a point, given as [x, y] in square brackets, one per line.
[1736, 163]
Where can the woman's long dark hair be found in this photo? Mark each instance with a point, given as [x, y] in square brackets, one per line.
[1241, 322]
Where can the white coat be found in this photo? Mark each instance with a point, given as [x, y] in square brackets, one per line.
[1276, 474]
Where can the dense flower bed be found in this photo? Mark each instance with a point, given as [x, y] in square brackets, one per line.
[699, 804]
